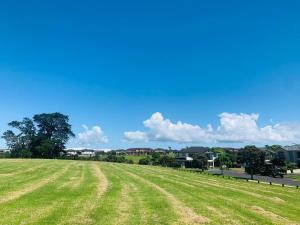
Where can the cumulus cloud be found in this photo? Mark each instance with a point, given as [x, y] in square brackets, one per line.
[92, 136]
[233, 127]
[161, 129]
[136, 136]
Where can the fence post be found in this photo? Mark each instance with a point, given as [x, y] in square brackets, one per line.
[282, 185]
[258, 181]
[270, 183]
[297, 186]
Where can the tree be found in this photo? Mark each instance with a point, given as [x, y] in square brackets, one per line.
[253, 157]
[224, 161]
[199, 161]
[22, 140]
[155, 158]
[55, 127]
[167, 160]
[45, 136]
[145, 161]
[291, 166]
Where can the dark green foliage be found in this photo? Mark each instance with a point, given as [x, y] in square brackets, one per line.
[159, 160]
[291, 166]
[43, 137]
[145, 161]
[253, 158]
[167, 161]
[112, 157]
[155, 158]
[278, 161]
[199, 162]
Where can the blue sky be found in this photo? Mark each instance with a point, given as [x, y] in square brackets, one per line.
[112, 64]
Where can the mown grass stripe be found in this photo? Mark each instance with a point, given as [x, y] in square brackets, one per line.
[187, 215]
[221, 195]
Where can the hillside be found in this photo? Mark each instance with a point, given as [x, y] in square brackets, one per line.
[78, 192]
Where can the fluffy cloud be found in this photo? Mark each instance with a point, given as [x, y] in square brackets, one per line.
[92, 136]
[233, 127]
[161, 129]
[136, 136]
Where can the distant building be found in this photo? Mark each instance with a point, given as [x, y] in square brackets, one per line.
[3, 151]
[190, 151]
[291, 154]
[87, 153]
[288, 153]
[83, 153]
[182, 160]
[139, 151]
[187, 154]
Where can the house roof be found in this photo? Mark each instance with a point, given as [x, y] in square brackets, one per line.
[195, 150]
[292, 148]
[139, 149]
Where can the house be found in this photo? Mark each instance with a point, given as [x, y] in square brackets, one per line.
[3, 151]
[139, 151]
[291, 154]
[87, 153]
[181, 160]
[81, 153]
[191, 152]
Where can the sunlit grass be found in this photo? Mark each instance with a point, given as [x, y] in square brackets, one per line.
[79, 192]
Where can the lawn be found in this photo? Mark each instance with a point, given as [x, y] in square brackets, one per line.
[79, 192]
[134, 158]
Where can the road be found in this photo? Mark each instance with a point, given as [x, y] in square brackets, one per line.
[230, 173]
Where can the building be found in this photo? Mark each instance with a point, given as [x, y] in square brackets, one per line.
[82, 153]
[291, 154]
[181, 160]
[190, 152]
[87, 153]
[3, 151]
[139, 151]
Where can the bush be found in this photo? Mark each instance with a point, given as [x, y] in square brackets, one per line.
[129, 161]
[145, 161]
[167, 161]
[200, 162]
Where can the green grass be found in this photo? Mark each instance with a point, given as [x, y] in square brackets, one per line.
[135, 159]
[295, 177]
[79, 192]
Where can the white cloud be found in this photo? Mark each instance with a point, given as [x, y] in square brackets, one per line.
[161, 129]
[92, 136]
[237, 127]
[242, 128]
[136, 136]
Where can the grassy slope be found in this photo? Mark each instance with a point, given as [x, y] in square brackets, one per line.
[78, 192]
[135, 159]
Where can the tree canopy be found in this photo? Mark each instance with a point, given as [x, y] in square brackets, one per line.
[44, 136]
[253, 157]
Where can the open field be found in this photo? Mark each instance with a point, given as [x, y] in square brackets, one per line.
[78, 192]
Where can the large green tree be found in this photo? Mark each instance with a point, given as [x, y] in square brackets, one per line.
[43, 136]
[253, 157]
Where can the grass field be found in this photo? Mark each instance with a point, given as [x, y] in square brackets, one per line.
[135, 159]
[78, 192]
